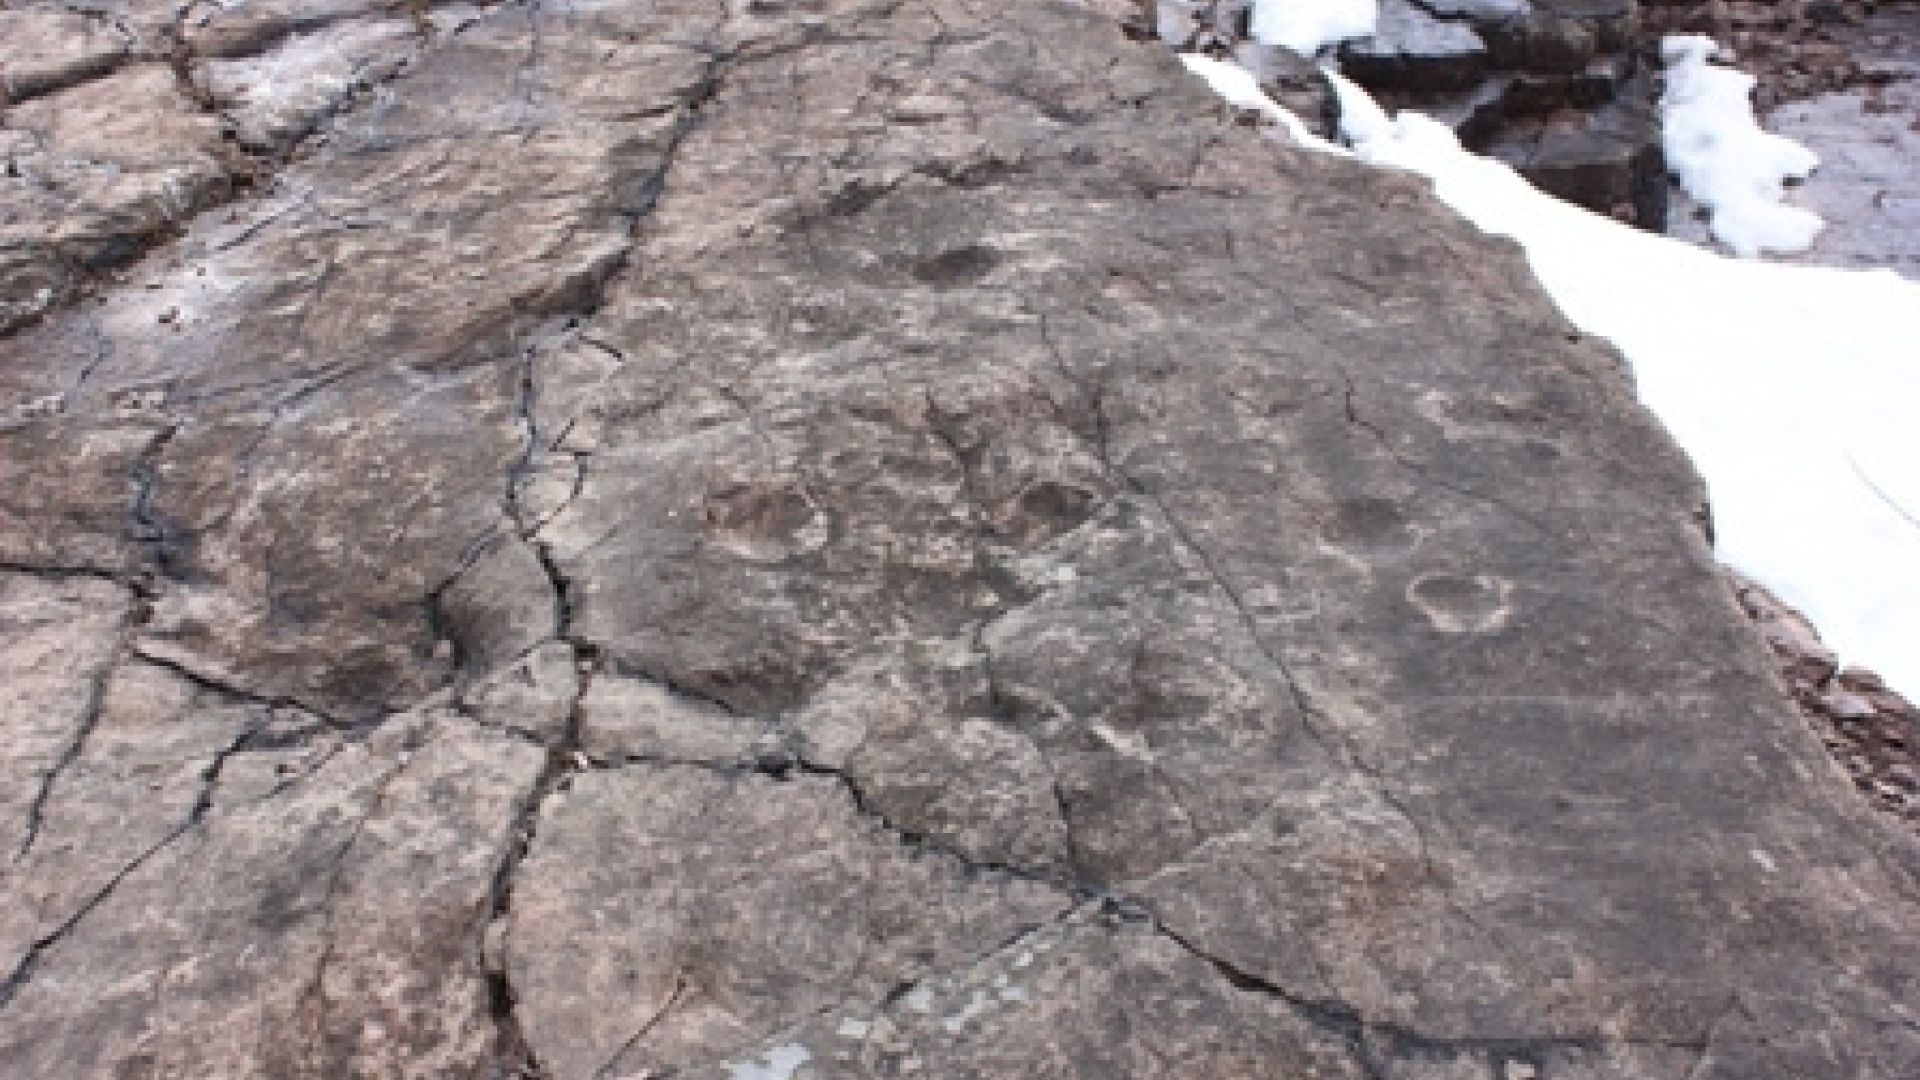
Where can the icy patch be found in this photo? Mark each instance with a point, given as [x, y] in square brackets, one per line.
[1793, 388]
[1237, 86]
[1724, 159]
[777, 1064]
[1307, 26]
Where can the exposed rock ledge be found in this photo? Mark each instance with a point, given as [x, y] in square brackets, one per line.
[821, 539]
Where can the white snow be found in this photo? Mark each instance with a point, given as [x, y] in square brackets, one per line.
[1307, 26]
[1794, 389]
[1724, 159]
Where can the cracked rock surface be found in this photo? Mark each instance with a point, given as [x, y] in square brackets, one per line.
[813, 539]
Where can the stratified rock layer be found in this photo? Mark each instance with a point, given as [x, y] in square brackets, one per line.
[849, 540]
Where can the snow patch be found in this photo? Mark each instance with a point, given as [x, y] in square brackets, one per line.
[1793, 388]
[1724, 159]
[1307, 26]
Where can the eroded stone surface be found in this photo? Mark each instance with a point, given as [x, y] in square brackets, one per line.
[745, 904]
[60, 638]
[846, 539]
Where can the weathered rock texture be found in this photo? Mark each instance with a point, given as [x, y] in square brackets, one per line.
[848, 539]
[1797, 49]
[1872, 731]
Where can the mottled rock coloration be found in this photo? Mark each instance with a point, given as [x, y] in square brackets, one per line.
[847, 539]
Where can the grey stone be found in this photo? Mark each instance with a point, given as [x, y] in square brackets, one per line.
[1609, 161]
[1410, 49]
[1477, 11]
[623, 719]
[534, 695]
[60, 635]
[732, 907]
[51, 47]
[859, 539]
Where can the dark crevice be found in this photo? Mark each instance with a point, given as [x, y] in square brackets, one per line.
[171, 46]
[77, 740]
[922, 843]
[514, 1051]
[1375, 1045]
[1002, 710]
[652, 1021]
[36, 810]
[240, 693]
[148, 532]
[623, 668]
[1019, 938]
[459, 708]
[209, 779]
[61, 573]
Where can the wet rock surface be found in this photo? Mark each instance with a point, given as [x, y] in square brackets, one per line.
[1555, 88]
[848, 540]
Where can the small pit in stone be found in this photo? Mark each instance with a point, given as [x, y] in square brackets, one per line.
[1371, 527]
[957, 266]
[764, 521]
[1461, 603]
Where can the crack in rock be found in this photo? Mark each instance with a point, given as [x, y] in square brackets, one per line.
[209, 778]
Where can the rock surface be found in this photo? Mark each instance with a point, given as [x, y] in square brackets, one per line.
[1415, 50]
[1872, 731]
[1551, 87]
[839, 539]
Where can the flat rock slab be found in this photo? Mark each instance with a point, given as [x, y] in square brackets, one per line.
[856, 540]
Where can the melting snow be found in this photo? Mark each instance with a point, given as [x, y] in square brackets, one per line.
[1795, 389]
[1724, 159]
